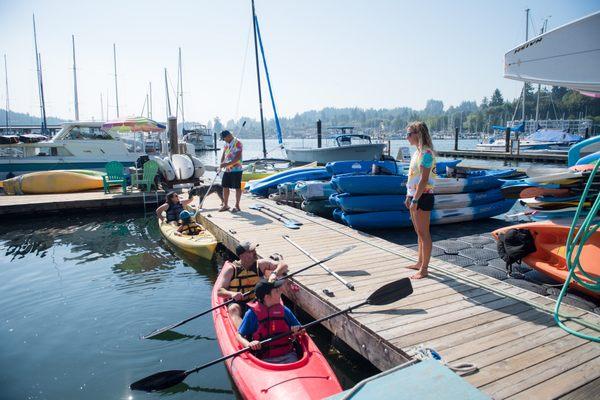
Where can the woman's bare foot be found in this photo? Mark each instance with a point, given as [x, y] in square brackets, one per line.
[415, 266]
[420, 275]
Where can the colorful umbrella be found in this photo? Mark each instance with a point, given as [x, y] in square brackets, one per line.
[134, 124]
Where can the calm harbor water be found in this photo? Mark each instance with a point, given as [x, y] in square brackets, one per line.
[253, 149]
[78, 292]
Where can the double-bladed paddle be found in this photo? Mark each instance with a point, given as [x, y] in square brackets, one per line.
[288, 223]
[386, 294]
[175, 325]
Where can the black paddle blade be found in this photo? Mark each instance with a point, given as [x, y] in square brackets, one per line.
[159, 381]
[391, 292]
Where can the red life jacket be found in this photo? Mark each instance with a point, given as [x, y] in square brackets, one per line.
[271, 322]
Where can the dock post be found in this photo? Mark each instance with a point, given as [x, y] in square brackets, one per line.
[507, 140]
[215, 140]
[586, 135]
[173, 139]
[319, 134]
[455, 139]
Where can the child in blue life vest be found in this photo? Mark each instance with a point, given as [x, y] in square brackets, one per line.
[188, 227]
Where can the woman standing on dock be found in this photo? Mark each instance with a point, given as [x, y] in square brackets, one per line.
[419, 191]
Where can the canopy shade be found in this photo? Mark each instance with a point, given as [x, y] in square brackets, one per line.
[134, 124]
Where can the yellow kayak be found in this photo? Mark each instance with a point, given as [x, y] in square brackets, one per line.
[47, 182]
[202, 245]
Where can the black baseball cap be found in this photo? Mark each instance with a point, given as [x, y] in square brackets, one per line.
[264, 287]
[224, 134]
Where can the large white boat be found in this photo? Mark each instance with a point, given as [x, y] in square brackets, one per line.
[78, 145]
[567, 56]
[541, 140]
[347, 146]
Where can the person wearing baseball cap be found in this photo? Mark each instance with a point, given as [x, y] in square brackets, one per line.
[242, 276]
[268, 317]
[231, 163]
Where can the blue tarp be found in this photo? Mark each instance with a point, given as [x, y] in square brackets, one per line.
[518, 128]
[549, 135]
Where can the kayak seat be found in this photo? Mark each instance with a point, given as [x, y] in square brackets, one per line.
[114, 176]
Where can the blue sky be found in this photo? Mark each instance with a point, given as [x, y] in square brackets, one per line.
[377, 53]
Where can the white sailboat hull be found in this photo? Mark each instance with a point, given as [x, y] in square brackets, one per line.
[567, 56]
[324, 155]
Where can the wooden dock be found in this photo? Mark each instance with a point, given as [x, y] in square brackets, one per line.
[506, 331]
[497, 155]
[27, 205]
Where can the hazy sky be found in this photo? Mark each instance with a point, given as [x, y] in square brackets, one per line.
[364, 53]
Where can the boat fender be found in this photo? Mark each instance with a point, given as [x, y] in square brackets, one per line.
[514, 245]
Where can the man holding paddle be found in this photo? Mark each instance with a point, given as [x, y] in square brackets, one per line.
[242, 276]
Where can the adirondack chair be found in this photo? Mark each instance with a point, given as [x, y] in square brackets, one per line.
[150, 170]
[114, 175]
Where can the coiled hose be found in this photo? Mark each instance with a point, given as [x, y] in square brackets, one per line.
[576, 239]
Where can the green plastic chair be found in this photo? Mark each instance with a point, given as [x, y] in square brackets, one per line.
[145, 184]
[114, 175]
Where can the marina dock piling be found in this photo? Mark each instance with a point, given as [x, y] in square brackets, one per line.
[456, 139]
[319, 134]
[507, 140]
[173, 139]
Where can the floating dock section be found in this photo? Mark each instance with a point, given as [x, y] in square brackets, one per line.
[506, 331]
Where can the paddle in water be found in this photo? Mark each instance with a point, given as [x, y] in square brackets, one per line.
[175, 325]
[386, 294]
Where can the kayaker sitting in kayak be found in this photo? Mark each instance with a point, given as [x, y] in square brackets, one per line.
[172, 207]
[241, 276]
[266, 318]
[188, 227]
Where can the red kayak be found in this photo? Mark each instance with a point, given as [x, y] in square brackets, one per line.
[310, 377]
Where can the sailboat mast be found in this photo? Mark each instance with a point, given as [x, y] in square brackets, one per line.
[525, 84]
[262, 122]
[7, 97]
[116, 88]
[167, 96]
[39, 75]
[150, 100]
[75, 81]
[101, 108]
[537, 103]
[181, 90]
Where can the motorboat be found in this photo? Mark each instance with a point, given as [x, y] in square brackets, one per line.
[200, 136]
[78, 145]
[347, 146]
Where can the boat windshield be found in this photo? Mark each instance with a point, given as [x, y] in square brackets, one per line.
[347, 140]
[87, 133]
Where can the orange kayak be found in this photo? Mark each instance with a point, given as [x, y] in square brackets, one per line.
[550, 255]
[310, 377]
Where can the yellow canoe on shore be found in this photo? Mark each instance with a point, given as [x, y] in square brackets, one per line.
[202, 245]
[52, 182]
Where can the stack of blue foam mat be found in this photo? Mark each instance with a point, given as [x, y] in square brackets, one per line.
[377, 201]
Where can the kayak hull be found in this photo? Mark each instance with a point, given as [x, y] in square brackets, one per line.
[401, 219]
[359, 204]
[310, 377]
[53, 182]
[202, 245]
[550, 255]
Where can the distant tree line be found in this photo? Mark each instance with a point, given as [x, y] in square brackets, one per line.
[554, 103]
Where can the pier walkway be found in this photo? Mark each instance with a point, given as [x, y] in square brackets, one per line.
[508, 332]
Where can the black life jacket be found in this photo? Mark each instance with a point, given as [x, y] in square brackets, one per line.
[514, 246]
[173, 212]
